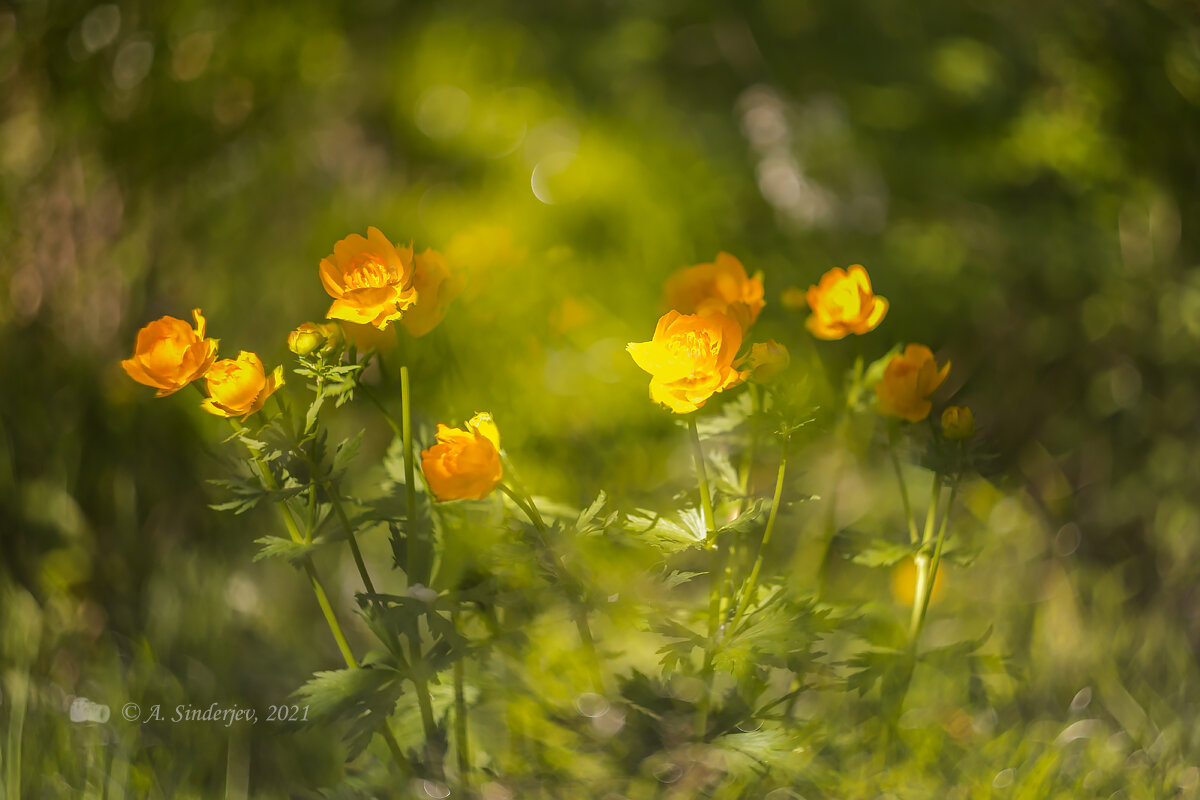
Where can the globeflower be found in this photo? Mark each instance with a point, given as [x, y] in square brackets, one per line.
[958, 422]
[843, 303]
[767, 359]
[690, 359]
[369, 280]
[464, 464]
[169, 355]
[436, 287]
[908, 381]
[239, 387]
[721, 286]
[311, 337]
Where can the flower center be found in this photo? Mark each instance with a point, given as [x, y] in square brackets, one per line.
[692, 346]
[366, 272]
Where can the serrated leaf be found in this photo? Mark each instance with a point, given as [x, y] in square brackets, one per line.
[747, 519]
[345, 452]
[591, 511]
[665, 534]
[363, 697]
[278, 547]
[678, 578]
[881, 553]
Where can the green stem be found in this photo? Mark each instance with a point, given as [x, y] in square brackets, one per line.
[908, 515]
[714, 591]
[322, 596]
[562, 575]
[706, 505]
[937, 551]
[751, 582]
[340, 510]
[415, 545]
[924, 585]
[460, 722]
[424, 702]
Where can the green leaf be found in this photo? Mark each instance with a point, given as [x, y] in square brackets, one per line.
[346, 450]
[362, 697]
[748, 518]
[278, 547]
[882, 553]
[665, 534]
[591, 511]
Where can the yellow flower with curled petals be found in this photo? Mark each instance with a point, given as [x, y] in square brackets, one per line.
[690, 359]
[842, 303]
[370, 280]
[169, 354]
[239, 387]
[908, 380]
[464, 464]
[436, 287]
[722, 286]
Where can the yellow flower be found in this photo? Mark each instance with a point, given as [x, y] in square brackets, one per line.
[843, 303]
[436, 287]
[311, 337]
[169, 355]
[369, 280]
[958, 422]
[908, 381]
[689, 359]
[721, 286]
[464, 464]
[239, 387]
[766, 360]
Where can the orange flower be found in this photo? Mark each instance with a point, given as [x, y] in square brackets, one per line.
[369, 280]
[238, 388]
[169, 355]
[436, 287]
[721, 286]
[767, 360]
[843, 303]
[464, 464]
[689, 359]
[958, 422]
[908, 381]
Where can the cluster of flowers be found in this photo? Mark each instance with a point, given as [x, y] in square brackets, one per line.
[373, 284]
[694, 351]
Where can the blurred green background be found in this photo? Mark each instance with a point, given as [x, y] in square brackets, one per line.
[1018, 177]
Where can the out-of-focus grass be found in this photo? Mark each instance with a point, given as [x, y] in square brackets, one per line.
[1018, 181]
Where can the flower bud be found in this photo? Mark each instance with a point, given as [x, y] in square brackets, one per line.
[767, 359]
[958, 422]
[307, 339]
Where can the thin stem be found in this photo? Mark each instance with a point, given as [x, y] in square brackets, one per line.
[908, 515]
[268, 480]
[340, 510]
[937, 551]
[564, 577]
[424, 702]
[715, 585]
[922, 559]
[414, 565]
[706, 505]
[751, 582]
[460, 722]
